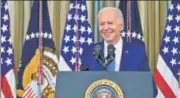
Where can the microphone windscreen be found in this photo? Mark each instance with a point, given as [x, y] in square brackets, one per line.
[97, 51]
[111, 49]
[111, 54]
[98, 48]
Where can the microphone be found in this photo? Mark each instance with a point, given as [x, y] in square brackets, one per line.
[98, 57]
[111, 54]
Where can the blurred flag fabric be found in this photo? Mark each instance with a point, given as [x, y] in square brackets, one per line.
[77, 35]
[28, 72]
[132, 31]
[168, 65]
[8, 81]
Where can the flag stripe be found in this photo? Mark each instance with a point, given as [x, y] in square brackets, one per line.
[160, 94]
[10, 76]
[63, 65]
[164, 88]
[2, 95]
[33, 95]
[27, 87]
[167, 75]
[6, 88]
[26, 91]
[29, 94]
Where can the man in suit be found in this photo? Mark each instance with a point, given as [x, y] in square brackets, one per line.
[128, 56]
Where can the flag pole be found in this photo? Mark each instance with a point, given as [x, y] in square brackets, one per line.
[128, 21]
[77, 66]
[40, 75]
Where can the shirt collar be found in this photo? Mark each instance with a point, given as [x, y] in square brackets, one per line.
[118, 45]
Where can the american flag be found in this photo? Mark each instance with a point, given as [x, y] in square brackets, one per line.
[168, 65]
[28, 71]
[77, 35]
[132, 31]
[8, 82]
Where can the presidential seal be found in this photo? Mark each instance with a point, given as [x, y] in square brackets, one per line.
[104, 89]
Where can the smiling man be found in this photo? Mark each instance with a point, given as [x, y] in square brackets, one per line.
[110, 24]
[128, 56]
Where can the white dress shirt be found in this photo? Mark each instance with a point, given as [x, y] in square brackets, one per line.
[118, 53]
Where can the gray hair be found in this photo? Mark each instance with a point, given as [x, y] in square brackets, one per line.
[119, 13]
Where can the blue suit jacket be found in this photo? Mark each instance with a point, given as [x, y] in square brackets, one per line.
[133, 58]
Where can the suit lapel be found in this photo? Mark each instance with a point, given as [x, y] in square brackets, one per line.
[102, 51]
[124, 57]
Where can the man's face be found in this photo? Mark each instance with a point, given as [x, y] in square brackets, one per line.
[109, 27]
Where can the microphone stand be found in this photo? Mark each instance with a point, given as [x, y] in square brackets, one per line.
[100, 59]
